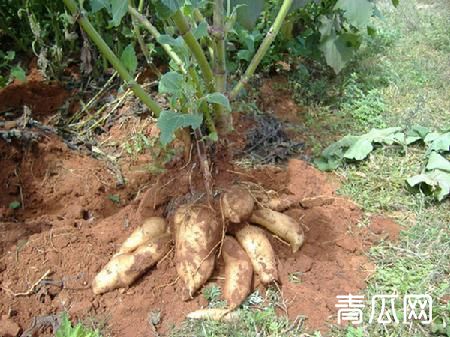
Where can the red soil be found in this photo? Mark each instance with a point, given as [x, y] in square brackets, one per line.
[70, 226]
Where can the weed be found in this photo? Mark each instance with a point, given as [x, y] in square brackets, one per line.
[212, 294]
[79, 330]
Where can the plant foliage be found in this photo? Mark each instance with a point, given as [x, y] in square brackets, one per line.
[434, 180]
[67, 330]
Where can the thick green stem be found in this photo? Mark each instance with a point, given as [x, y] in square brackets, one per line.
[152, 29]
[112, 58]
[271, 35]
[196, 49]
[220, 73]
[223, 120]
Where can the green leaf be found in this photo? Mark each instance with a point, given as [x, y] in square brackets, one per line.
[166, 8]
[170, 121]
[417, 132]
[65, 329]
[129, 59]
[15, 204]
[357, 12]
[395, 2]
[324, 164]
[218, 98]
[248, 12]
[436, 183]
[118, 10]
[296, 4]
[97, 5]
[436, 161]
[171, 83]
[213, 136]
[337, 52]
[386, 135]
[201, 30]
[327, 27]
[167, 39]
[10, 54]
[19, 73]
[440, 142]
[115, 198]
[359, 150]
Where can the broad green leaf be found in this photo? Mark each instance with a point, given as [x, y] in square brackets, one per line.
[118, 10]
[338, 148]
[418, 130]
[170, 121]
[172, 5]
[166, 8]
[129, 59]
[337, 52]
[248, 12]
[382, 135]
[171, 83]
[97, 5]
[333, 155]
[167, 39]
[18, 73]
[359, 150]
[218, 98]
[395, 2]
[201, 30]
[429, 138]
[436, 161]
[435, 182]
[441, 143]
[357, 12]
[327, 164]
[416, 133]
[326, 28]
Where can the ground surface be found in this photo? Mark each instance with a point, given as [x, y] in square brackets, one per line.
[75, 211]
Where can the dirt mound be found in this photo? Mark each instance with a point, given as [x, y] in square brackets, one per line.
[70, 226]
[43, 98]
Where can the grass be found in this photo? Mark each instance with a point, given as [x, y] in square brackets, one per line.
[400, 78]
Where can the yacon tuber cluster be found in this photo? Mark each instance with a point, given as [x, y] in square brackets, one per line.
[198, 237]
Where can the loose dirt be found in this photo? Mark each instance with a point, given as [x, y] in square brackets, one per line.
[74, 217]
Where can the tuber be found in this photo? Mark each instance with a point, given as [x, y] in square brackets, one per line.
[281, 225]
[150, 229]
[123, 269]
[238, 272]
[260, 252]
[237, 204]
[197, 235]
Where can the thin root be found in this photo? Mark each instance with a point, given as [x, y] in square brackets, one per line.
[32, 289]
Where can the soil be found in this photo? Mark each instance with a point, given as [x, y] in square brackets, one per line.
[71, 223]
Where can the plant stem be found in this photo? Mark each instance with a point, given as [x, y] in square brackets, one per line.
[196, 49]
[270, 36]
[112, 58]
[152, 29]
[137, 34]
[219, 35]
[223, 119]
[204, 108]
